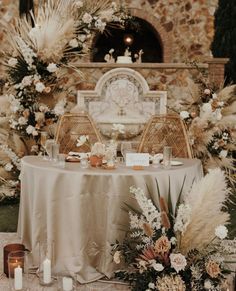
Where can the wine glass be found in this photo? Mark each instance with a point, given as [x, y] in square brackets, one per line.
[125, 147]
[43, 139]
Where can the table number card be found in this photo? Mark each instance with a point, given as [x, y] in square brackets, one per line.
[134, 159]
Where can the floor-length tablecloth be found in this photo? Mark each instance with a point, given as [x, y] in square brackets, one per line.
[80, 210]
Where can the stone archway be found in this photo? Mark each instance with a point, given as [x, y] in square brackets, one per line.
[165, 38]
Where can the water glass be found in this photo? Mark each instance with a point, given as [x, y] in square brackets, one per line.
[167, 156]
[126, 147]
[55, 151]
[61, 160]
[84, 162]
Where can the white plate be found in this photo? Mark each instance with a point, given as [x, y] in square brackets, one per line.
[176, 163]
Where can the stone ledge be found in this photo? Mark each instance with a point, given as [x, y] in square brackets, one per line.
[144, 65]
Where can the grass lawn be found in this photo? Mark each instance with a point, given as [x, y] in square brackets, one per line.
[8, 217]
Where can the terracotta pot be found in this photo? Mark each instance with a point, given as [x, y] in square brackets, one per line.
[96, 161]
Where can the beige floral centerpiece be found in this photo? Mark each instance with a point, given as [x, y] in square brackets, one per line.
[178, 248]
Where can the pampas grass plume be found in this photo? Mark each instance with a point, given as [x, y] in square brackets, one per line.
[206, 199]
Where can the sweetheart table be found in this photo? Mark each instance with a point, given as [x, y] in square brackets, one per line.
[80, 210]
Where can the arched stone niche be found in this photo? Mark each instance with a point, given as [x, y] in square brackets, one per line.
[163, 38]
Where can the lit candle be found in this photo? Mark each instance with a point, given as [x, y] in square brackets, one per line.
[14, 265]
[18, 278]
[46, 271]
[67, 284]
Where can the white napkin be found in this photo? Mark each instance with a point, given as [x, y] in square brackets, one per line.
[157, 158]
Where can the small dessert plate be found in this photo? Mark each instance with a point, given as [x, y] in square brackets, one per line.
[176, 163]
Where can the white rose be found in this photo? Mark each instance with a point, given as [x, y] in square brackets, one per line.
[22, 120]
[74, 43]
[184, 114]
[35, 133]
[207, 284]
[26, 81]
[158, 267]
[151, 286]
[178, 262]
[30, 129]
[82, 37]
[100, 25]
[52, 68]
[206, 107]
[8, 167]
[116, 257]
[12, 62]
[221, 231]
[15, 105]
[39, 87]
[87, 18]
[43, 108]
[223, 154]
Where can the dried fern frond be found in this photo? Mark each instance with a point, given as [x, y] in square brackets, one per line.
[206, 199]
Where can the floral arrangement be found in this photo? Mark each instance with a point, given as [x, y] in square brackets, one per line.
[43, 52]
[209, 116]
[98, 149]
[178, 248]
[10, 163]
[38, 59]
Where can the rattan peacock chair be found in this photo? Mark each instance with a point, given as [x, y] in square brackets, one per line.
[70, 127]
[165, 130]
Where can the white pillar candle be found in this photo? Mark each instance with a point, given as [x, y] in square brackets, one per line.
[67, 284]
[46, 271]
[18, 278]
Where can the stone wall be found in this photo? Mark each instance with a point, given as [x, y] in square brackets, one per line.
[186, 27]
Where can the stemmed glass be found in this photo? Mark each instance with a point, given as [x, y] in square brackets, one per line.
[43, 140]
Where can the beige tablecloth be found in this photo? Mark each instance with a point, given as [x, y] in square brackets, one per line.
[80, 209]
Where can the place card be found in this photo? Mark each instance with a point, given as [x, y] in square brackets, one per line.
[134, 159]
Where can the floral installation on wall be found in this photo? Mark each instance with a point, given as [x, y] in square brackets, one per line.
[210, 117]
[39, 57]
[186, 247]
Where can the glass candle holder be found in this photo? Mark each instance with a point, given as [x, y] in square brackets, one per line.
[6, 251]
[17, 270]
[167, 156]
[46, 258]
